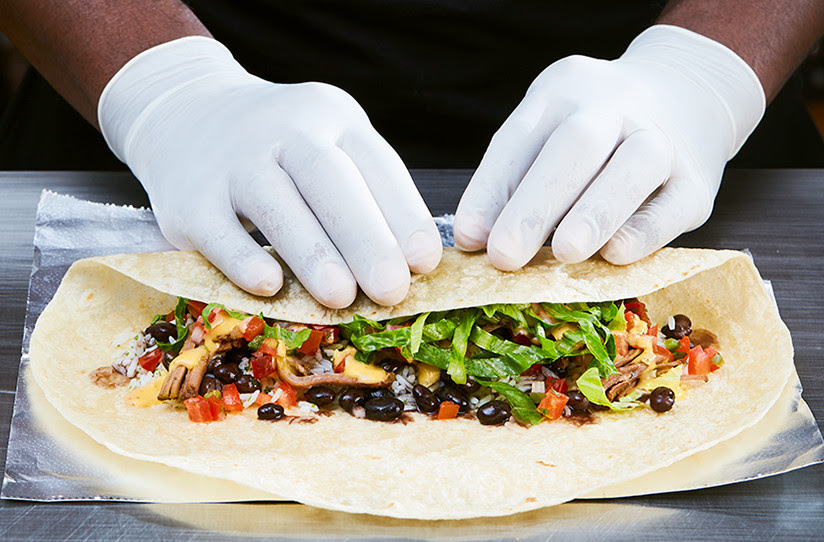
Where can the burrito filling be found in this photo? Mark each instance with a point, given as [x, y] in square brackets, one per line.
[528, 362]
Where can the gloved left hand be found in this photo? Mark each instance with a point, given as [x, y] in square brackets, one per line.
[621, 156]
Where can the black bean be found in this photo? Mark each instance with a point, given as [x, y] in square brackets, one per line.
[683, 327]
[661, 399]
[270, 411]
[392, 365]
[383, 409]
[320, 395]
[216, 361]
[352, 397]
[247, 384]
[236, 355]
[163, 332]
[227, 373]
[454, 395]
[577, 400]
[375, 393]
[559, 368]
[471, 386]
[209, 383]
[494, 413]
[426, 401]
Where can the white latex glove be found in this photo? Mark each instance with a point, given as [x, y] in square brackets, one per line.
[212, 145]
[621, 156]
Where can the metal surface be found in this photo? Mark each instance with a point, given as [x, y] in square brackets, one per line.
[775, 214]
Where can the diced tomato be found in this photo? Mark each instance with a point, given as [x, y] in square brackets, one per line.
[662, 351]
[448, 410]
[198, 334]
[252, 327]
[231, 398]
[286, 398]
[630, 317]
[522, 337]
[535, 369]
[217, 315]
[684, 346]
[269, 346]
[217, 407]
[263, 366]
[557, 384]
[312, 343]
[700, 361]
[170, 316]
[653, 330]
[263, 398]
[638, 308]
[150, 359]
[199, 410]
[552, 405]
[331, 334]
[196, 308]
[621, 346]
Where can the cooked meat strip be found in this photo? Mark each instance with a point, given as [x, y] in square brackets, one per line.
[625, 379]
[171, 386]
[191, 385]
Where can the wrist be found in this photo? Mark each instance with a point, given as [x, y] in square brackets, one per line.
[710, 66]
[156, 74]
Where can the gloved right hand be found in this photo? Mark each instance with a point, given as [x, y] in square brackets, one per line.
[213, 145]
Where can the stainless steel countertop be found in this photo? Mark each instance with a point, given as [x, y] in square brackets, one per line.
[777, 214]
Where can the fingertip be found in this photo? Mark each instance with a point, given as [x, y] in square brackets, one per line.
[503, 258]
[469, 231]
[620, 250]
[333, 286]
[572, 243]
[388, 282]
[423, 250]
[262, 277]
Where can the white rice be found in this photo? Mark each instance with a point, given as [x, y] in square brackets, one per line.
[305, 407]
[135, 346]
[249, 399]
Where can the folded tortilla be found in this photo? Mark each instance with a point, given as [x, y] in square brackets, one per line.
[425, 469]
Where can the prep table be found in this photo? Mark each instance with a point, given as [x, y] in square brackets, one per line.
[776, 214]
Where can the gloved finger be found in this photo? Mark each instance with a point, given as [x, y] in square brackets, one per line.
[510, 154]
[569, 160]
[681, 205]
[334, 189]
[638, 166]
[220, 237]
[397, 197]
[271, 201]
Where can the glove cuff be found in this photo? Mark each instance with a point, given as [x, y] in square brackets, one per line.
[152, 75]
[712, 65]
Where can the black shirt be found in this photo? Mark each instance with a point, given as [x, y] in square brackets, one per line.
[437, 78]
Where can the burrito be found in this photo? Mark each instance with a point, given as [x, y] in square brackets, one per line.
[484, 393]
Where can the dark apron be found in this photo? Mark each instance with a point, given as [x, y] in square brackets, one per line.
[437, 78]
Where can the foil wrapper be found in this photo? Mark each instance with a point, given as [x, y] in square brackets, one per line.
[48, 459]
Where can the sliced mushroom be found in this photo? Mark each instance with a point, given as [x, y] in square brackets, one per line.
[287, 373]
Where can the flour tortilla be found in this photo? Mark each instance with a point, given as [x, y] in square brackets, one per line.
[425, 469]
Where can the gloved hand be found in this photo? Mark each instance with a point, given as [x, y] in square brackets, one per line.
[213, 145]
[621, 156]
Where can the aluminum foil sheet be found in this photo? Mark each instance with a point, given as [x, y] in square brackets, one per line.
[50, 460]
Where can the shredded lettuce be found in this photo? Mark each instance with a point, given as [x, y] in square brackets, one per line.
[293, 339]
[601, 347]
[589, 383]
[460, 340]
[523, 408]
[208, 309]
[416, 333]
